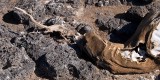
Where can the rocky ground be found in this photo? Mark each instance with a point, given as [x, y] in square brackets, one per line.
[28, 54]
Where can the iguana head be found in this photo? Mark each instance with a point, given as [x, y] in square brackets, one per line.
[147, 33]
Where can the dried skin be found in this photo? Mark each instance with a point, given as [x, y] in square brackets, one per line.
[141, 35]
[144, 33]
[109, 54]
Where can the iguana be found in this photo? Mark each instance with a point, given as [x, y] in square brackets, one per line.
[120, 58]
[129, 57]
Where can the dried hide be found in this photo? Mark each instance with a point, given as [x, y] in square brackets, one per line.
[132, 56]
[148, 33]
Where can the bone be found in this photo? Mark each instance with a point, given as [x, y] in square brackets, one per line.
[126, 54]
[156, 40]
[49, 29]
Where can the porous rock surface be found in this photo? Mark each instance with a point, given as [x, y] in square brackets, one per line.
[27, 54]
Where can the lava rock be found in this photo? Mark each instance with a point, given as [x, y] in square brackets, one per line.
[69, 19]
[83, 28]
[119, 30]
[90, 2]
[73, 3]
[54, 8]
[37, 51]
[113, 2]
[50, 21]
[60, 1]
[108, 24]
[136, 2]
[59, 9]
[14, 62]
[154, 6]
[100, 4]
[136, 14]
[57, 61]
[48, 59]
[123, 34]
[13, 17]
[106, 3]
[35, 8]
[28, 3]
[54, 20]
[6, 33]
[101, 23]
[38, 12]
[123, 2]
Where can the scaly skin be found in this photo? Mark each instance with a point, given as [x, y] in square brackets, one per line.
[144, 32]
[108, 54]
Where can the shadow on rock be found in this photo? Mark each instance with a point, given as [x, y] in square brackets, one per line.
[81, 53]
[158, 77]
[129, 17]
[136, 2]
[134, 14]
[44, 70]
[12, 17]
[123, 34]
[73, 71]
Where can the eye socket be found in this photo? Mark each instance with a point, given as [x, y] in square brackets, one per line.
[152, 45]
[138, 57]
